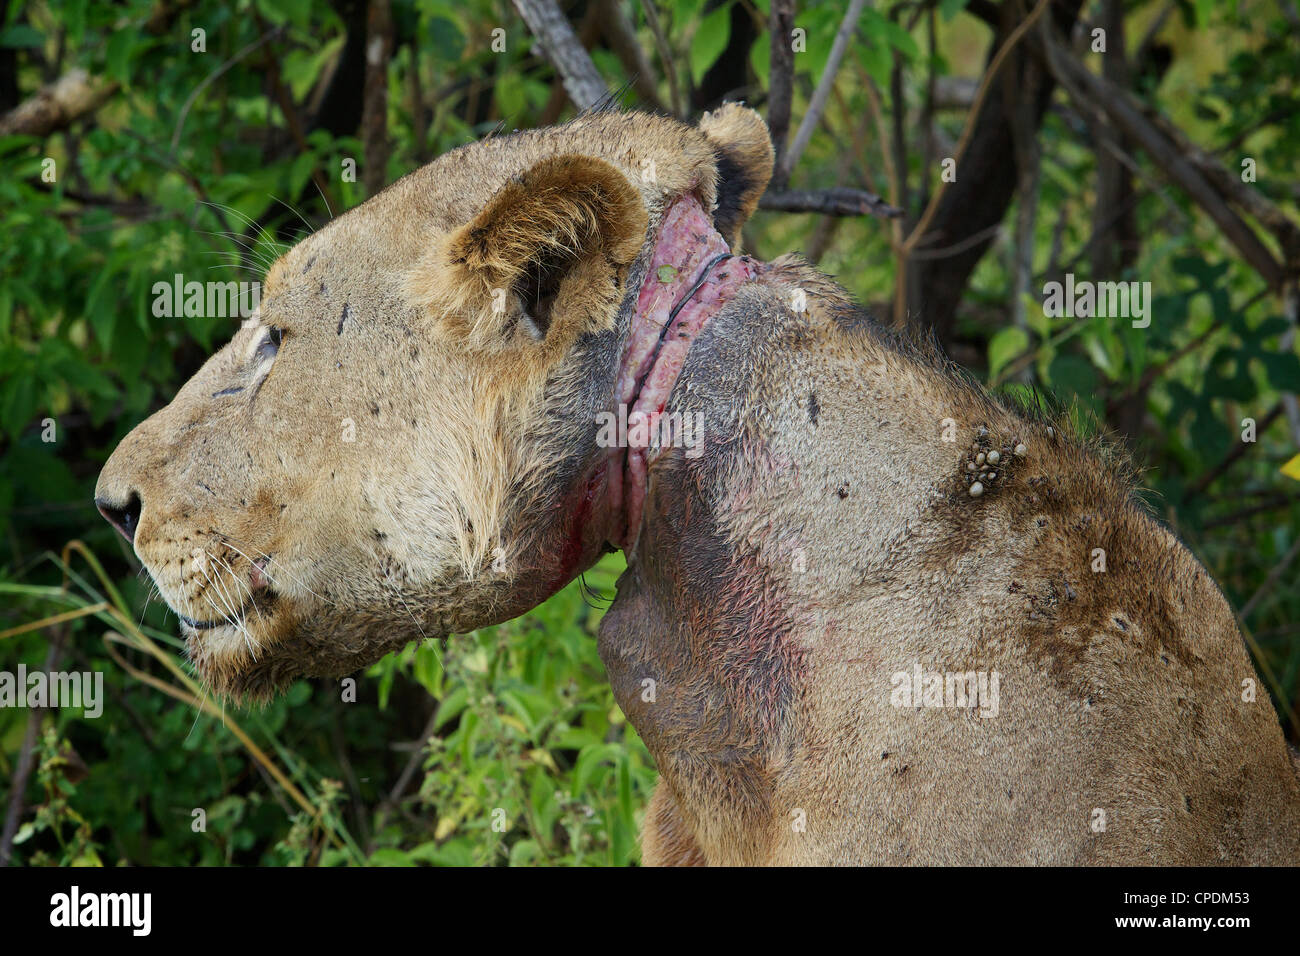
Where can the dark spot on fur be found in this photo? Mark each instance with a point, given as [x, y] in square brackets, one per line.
[310, 263]
[347, 314]
[374, 409]
[228, 391]
[1123, 625]
[814, 409]
[843, 491]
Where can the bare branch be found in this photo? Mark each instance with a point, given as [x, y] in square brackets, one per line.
[971, 120]
[1127, 116]
[374, 115]
[665, 55]
[215, 74]
[582, 81]
[823, 91]
[1237, 451]
[780, 92]
[840, 201]
[1273, 576]
[56, 106]
[618, 32]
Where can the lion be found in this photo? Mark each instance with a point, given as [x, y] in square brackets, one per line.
[871, 615]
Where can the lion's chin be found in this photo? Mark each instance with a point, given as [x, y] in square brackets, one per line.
[233, 663]
[252, 664]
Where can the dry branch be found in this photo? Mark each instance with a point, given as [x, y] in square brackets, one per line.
[374, 114]
[621, 38]
[821, 94]
[1171, 156]
[780, 92]
[56, 106]
[840, 201]
[582, 81]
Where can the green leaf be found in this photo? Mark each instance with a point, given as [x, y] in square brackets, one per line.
[21, 36]
[1005, 346]
[950, 8]
[1074, 375]
[1283, 369]
[760, 58]
[117, 55]
[446, 40]
[709, 41]
[390, 857]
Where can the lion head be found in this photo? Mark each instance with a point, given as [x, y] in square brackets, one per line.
[402, 441]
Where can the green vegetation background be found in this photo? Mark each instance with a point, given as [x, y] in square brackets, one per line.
[522, 729]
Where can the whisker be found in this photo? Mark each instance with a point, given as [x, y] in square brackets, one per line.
[324, 198]
[240, 583]
[295, 211]
[153, 589]
[231, 540]
[261, 232]
[232, 617]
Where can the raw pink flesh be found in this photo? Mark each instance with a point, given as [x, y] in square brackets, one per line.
[687, 242]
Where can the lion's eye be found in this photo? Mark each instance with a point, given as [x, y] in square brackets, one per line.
[269, 345]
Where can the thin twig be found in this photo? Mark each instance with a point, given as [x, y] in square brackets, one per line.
[1239, 449]
[27, 756]
[665, 55]
[582, 81]
[823, 91]
[621, 37]
[932, 209]
[214, 75]
[780, 89]
[840, 201]
[1271, 580]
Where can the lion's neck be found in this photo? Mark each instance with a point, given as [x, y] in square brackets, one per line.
[707, 643]
[691, 276]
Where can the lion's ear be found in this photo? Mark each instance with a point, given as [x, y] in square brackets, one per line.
[744, 150]
[532, 266]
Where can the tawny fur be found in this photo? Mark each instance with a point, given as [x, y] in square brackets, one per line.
[419, 458]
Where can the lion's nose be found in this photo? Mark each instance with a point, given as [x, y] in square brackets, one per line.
[125, 518]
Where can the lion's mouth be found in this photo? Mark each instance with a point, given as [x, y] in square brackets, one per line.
[692, 273]
[221, 593]
[202, 625]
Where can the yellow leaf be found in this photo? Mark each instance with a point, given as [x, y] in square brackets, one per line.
[544, 758]
[1292, 468]
[512, 721]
